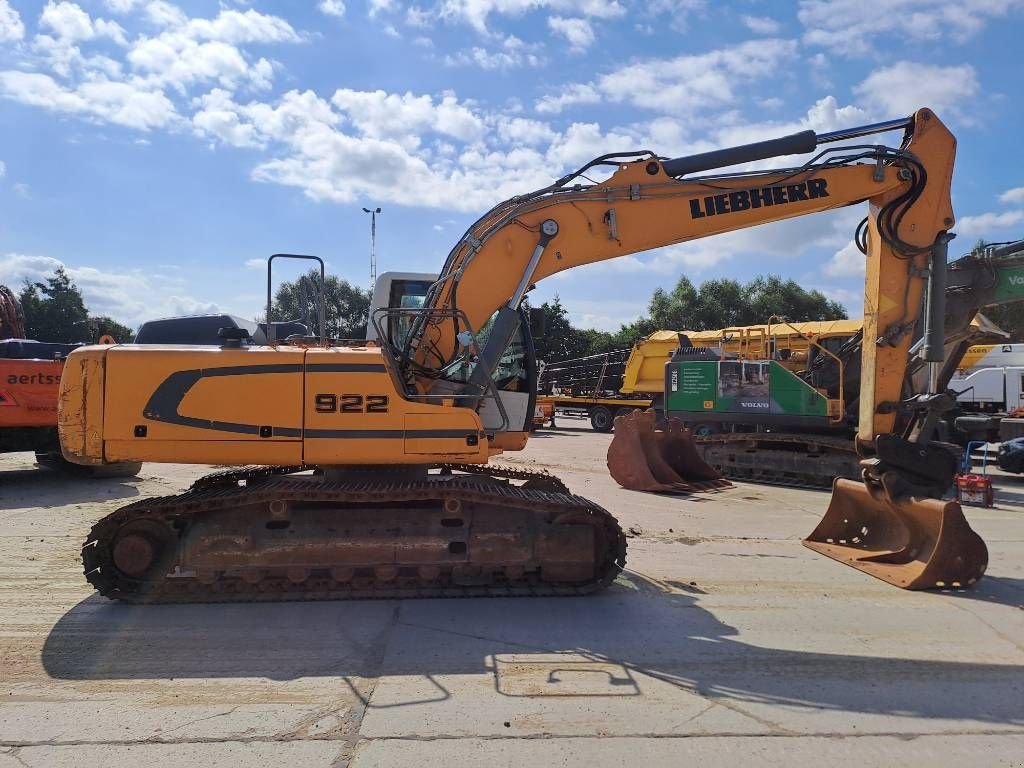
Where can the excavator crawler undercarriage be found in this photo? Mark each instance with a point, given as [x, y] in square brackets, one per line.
[258, 535]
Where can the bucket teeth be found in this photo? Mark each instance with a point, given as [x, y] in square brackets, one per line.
[913, 543]
[642, 457]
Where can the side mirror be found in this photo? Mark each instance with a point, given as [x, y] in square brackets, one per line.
[538, 322]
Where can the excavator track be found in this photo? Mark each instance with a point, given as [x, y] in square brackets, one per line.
[305, 538]
[807, 461]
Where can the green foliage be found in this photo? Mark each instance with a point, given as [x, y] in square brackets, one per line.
[101, 325]
[724, 303]
[560, 340]
[719, 303]
[347, 307]
[55, 312]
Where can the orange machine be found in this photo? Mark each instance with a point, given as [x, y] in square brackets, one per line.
[398, 432]
[28, 403]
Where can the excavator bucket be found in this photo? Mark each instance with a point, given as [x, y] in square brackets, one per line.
[642, 457]
[912, 543]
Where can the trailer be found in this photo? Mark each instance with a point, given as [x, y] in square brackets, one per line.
[590, 386]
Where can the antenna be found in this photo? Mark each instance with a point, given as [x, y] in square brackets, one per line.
[373, 244]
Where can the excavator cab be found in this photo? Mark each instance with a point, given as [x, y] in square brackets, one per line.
[400, 442]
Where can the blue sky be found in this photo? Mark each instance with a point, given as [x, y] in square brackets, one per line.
[161, 151]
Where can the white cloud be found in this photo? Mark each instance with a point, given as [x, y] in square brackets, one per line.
[374, 144]
[127, 103]
[1015, 195]
[848, 261]
[71, 24]
[511, 54]
[236, 27]
[3, 169]
[186, 52]
[378, 114]
[381, 6]
[22, 190]
[571, 95]
[64, 27]
[418, 17]
[122, 6]
[163, 14]
[129, 296]
[218, 117]
[191, 51]
[578, 32]
[259, 265]
[900, 88]
[332, 7]
[851, 27]
[690, 83]
[682, 85]
[476, 12]
[606, 314]
[983, 224]
[824, 115]
[520, 130]
[761, 25]
[11, 27]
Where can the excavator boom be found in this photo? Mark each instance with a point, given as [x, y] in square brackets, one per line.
[397, 430]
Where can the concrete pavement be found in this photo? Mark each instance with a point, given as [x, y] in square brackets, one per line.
[726, 641]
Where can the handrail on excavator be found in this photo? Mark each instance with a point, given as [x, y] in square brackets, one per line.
[780, 320]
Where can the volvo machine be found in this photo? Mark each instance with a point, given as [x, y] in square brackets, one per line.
[779, 402]
[372, 475]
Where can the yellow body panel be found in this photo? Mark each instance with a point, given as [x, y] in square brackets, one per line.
[645, 368]
[180, 405]
[80, 407]
[261, 405]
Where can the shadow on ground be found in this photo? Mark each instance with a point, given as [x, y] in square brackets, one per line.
[995, 589]
[40, 487]
[641, 627]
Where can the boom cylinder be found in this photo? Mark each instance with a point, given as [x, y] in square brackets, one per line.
[933, 351]
[795, 144]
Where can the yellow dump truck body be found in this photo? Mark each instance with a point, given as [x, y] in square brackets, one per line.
[645, 368]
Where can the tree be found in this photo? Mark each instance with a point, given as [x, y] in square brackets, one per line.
[54, 310]
[101, 325]
[771, 295]
[724, 303]
[560, 341]
[347, 307]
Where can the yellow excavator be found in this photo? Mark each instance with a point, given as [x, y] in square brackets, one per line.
[371, 474]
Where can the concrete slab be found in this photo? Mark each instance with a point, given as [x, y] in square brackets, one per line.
[725, 641]
[785, 752]
[308, 754]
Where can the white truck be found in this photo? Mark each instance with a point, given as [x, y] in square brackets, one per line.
[990, 390]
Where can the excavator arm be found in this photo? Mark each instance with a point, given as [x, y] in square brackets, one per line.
[374, 418]
[892, 525]
[648, 202]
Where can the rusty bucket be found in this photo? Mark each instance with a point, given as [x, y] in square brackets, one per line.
[913, 543]
[644, 458]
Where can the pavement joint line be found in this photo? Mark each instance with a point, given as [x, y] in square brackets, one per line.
[230, 711]
[353, 736]
[997, 632]
[14, 746]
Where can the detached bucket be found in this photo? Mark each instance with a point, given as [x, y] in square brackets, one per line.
[912, 543]
[643, 458]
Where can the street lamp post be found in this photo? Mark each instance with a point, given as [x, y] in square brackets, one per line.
[373, 244]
